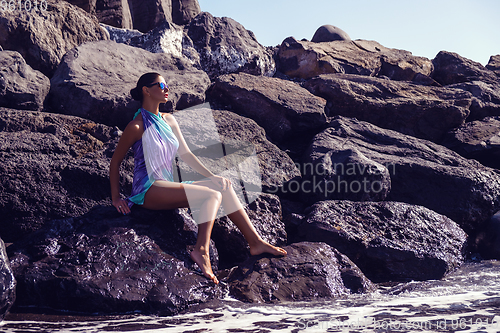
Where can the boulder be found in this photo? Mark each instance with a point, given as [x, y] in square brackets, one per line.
[265, 215]
[113, 12]
[183, 11]
[283, 108]
[388, 241]
[422, 111]
[309, 271]
[140, 14]
[421, 172]
[94, 82]
[494, 64]
[7, 283]
[304, 60]
[42, 37]
[236, 147]
[329, 33]
[121, 35]
[53, 166]
[485, 98]
[488, 241]
[105, 262]
[450, 68]
[147, 14]
[21, 87]
[225, 46]
[479, 139]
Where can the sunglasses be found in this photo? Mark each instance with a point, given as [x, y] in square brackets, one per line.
[161, 84]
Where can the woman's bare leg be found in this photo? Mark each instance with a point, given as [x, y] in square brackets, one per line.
[235, 211]
[169, 195]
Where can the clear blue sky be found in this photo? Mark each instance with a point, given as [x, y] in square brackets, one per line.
[470, 28]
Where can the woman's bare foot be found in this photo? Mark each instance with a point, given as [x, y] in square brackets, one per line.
[203, 261]
[265, 247]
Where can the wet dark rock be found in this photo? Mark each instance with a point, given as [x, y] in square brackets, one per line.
[265, 215]
[21, 87]
[303, 59]
[479, 139]
[42, 37]
[488, 241]
[423, 111]
[421, 172]
[494, 64]
[345, 174]
[485, 98]
[329, 33]
[7, 283]
[53, 166]
[308, 271]
[98, 87]
[283, 108]
[104, 262]
[225, 46]
[388, 241]
[450, 68]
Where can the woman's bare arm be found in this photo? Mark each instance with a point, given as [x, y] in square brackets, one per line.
[130, 135]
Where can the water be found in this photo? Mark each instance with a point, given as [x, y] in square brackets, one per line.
[467, 300]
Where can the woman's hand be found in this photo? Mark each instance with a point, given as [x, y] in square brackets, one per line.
[122, 206]
[222, 182]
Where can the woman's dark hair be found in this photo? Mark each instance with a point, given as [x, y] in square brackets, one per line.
[144, 80]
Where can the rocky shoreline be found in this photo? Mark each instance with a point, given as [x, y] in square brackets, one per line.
[375, 166]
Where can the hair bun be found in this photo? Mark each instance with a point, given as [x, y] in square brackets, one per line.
[135, 94]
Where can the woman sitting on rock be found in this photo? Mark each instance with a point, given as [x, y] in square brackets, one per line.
[155, 138]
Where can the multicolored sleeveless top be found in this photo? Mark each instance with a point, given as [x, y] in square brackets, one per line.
[153, 155]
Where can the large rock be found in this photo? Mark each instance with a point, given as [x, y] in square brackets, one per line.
[225, 46]
[488, 241]
[147, 14]
[478, 139]
[265, 215]
[485, 98]
[140, 14]
[303, 59]
[21, 87]
[309, 271]
[183, 11]
[53, 166]
[7, 283]
[388, 241]
[329, 33]
[421, 172]
[494, 64]
[94, 81]
[42, 37]
[235, 147]
[423, 111]
[283, 108]
[104, 262]
[450, 68]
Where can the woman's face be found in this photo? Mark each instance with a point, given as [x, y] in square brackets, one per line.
[156, 93]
